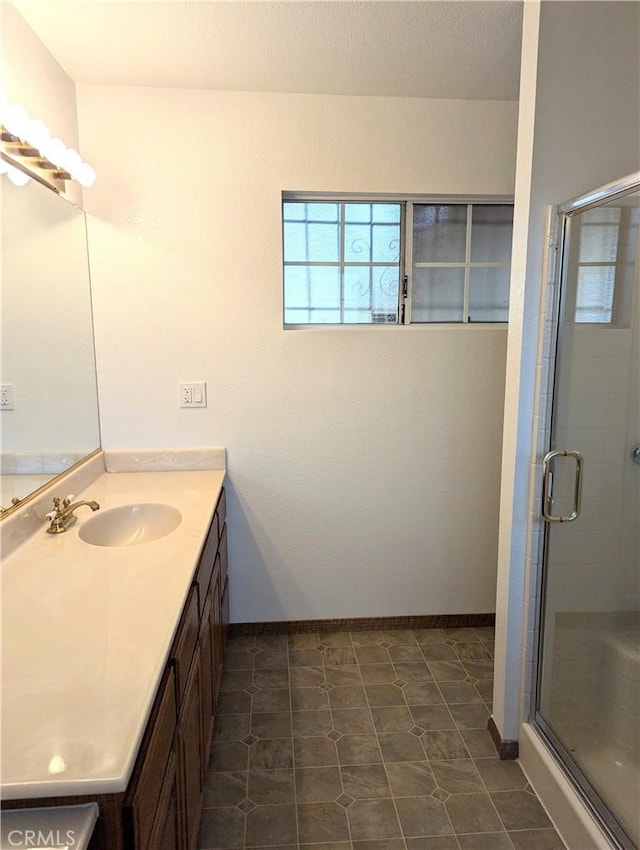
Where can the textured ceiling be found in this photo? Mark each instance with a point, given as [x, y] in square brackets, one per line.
[421, 48]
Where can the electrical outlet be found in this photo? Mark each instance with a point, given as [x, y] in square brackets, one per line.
[193, 394]
[6, 397]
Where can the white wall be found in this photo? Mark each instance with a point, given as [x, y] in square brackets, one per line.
[586, 133]
[363, 462]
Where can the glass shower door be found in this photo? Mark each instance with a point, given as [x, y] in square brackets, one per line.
[588, 689]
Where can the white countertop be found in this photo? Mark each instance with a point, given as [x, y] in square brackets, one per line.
[85, 635]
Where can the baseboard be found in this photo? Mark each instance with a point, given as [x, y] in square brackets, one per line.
[364, 624]
[507, 750]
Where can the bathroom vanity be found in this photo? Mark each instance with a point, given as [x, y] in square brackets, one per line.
[112, 658]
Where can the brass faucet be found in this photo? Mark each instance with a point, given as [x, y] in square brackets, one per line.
[63, 513]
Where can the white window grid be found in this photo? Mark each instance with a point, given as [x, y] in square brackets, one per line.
[406, 263]
[465, 264]
[343, 264]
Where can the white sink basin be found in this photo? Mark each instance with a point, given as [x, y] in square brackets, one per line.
[130, 525]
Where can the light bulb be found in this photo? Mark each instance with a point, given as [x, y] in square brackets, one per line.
[54, 150]
[71, 161]
[37, 134]
[85, 175]
[17, 177]
[16, 119]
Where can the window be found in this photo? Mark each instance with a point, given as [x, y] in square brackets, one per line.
[606, 258]
[395, 262]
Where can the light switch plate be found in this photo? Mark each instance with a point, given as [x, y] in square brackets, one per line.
[7, 401]
[193, 394]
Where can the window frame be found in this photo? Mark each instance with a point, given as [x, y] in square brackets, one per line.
[406, 202]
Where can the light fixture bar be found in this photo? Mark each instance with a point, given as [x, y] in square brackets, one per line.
[25, 158]
[26, 146]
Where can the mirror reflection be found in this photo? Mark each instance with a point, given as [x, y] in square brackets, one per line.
[49, 412]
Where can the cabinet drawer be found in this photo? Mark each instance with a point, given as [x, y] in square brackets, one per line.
[186, 641]
[146, 793]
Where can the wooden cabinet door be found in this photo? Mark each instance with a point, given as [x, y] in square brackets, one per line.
[216, 632]
[207, 677]
[141, 807]
[190, 756]
[166, 829]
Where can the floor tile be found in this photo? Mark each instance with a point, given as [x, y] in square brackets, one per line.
[422, 693]
[432, 717]
[231, 727]
[421, 816]
[501, 775]
[384, 695]
[358, 749]
[268, 787]
[306, 699]
[271, 677]
[308, 724]
[229, 755]
[373, 819]
[377, 673]
[271, 699]
[400, 746]
[444, 745]
[317, 784]
[433, 842]
[473, 813]
[271, 658]
[455, 693]
[271, 754]
[347, 696]
[222, 828]
[271, 724]
[392, 719]
[470, 716]
[409, 779]
[233, 702]
[520, 810]
[536, 839]
[362, 781]
[372, 655]
[306, 677]
[370, 740]
[222, 788]
[304, 641]
[314, 752]
[457, 776]
[485, 841]
[479, 743]
[305, 657]
[439, 652]
[425, 637]
[352, 721]
[278, 823]
[322, 822]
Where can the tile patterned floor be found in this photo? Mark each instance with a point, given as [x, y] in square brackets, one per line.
[364, 741]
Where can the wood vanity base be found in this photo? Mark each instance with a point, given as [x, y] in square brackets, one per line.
[160, 809]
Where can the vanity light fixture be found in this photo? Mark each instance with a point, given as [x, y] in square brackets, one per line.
[27, 150]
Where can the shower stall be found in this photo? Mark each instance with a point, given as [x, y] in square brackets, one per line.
[586, 697]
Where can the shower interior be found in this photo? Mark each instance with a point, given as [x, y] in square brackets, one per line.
[587, 702]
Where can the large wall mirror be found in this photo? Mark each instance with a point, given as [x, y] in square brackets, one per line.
[49, 414]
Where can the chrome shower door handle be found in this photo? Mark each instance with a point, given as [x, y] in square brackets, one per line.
[547, 476]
